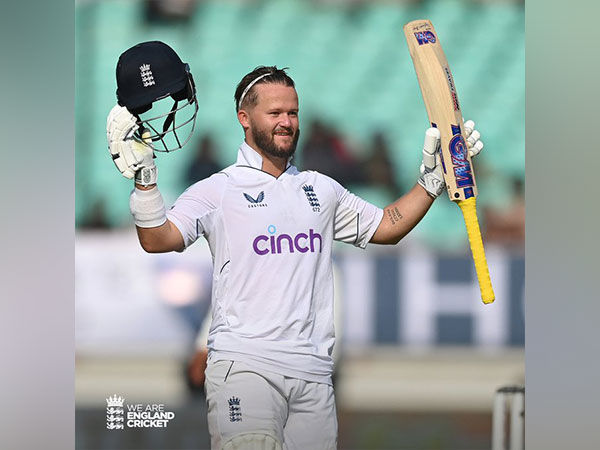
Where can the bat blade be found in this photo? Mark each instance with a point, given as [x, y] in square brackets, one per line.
[442, 105]
[443, 109]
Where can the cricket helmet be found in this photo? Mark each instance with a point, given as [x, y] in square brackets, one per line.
[148, 73]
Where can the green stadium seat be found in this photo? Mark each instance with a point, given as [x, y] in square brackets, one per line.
[351, 66]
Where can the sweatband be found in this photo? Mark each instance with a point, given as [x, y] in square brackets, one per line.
[147, 208]
[260, 77]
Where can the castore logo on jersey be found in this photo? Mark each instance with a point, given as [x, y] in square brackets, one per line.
[256, 202]
[279, 243]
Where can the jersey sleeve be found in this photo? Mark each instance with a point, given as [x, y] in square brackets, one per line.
[356, 220]
[192, 211]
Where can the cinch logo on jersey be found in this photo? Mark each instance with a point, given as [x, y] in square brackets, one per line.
[425, 37]
[284, 243]
[460, 163]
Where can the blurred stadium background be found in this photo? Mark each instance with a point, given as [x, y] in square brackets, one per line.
[419, 356]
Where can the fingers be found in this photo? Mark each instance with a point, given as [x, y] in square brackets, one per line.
[126, 170]
[473, 143]
[122, 167]
[129, 153]
[111, 115]
[475, 149]
[120, 124]
[126, 153]
[430, 147]
[147, 137]
[146, 142]
[432, 140]
[469, 127]
[474, 137]
[432, 179]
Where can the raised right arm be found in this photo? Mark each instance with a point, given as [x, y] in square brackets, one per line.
[154, 239]
[161, 239]
[135, 160]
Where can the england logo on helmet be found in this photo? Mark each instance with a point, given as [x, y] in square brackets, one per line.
[148, 74]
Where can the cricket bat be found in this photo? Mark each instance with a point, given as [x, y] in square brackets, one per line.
[443, 110]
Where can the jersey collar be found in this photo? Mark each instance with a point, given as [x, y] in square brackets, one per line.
[247, 156]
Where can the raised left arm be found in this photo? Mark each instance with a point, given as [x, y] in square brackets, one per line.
[400, 217]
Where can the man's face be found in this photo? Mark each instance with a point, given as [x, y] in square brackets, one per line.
[274, 126]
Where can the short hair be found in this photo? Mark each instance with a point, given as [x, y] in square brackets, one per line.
[267, 74]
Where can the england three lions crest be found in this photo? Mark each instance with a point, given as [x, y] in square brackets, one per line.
[311, 196]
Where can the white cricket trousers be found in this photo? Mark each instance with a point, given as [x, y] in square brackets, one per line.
[301, 415]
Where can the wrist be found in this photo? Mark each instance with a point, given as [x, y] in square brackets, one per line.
[141, 187]
[432, 184]
[424, 192]
[147, 207]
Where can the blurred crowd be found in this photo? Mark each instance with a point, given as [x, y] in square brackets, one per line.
[370, 172]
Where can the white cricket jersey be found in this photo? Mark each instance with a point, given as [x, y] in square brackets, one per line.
[271, 241]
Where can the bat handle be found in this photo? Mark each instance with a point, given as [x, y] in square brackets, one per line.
[468, 208]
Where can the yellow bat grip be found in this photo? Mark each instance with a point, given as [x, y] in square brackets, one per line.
[483, 275]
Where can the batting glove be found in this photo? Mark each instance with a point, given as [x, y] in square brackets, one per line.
[473, 143]
[133, 158]
[432, 179]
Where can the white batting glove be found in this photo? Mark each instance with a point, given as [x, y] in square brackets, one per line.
[473, 143]
[133, 158]
[432, 178]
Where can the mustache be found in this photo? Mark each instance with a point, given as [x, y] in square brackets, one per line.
[286, 130]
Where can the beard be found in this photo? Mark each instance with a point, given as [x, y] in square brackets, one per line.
[265, 141]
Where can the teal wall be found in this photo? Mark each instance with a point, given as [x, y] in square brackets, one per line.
[351, 67]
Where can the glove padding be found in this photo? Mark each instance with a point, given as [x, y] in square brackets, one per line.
[473, 143]
[432, 178]
[132, 158]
